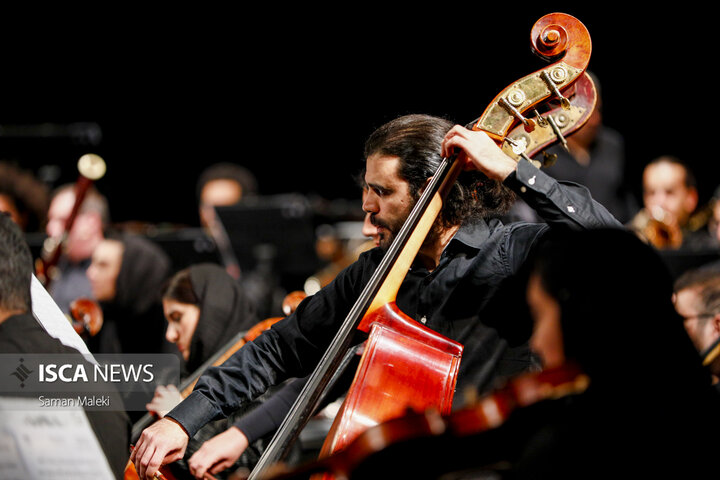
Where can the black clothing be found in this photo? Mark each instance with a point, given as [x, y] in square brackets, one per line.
[225, 311]
[605, 175]
[615, 434]
[268, 417]
[645, 414]
[23, 334]
[133, 321]
[468, 297]
[70, 284]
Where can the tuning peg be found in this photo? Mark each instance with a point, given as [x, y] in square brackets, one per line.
[519, 146]
[558, 133]
[529, 124]
[539, 119]
[564, 102]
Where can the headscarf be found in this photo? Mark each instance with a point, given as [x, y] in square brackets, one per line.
[134, 317]
[224, 311]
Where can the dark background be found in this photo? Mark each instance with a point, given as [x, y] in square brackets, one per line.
[291, 92]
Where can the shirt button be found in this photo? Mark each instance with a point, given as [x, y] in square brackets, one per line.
[423, 320]
[571, 209]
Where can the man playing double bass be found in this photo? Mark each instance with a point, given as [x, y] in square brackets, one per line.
[465, 283]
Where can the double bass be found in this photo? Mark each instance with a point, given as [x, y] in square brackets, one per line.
[406, 366]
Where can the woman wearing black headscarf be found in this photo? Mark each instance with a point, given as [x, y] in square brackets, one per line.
[205, 309]
[126, 275]
[219, 305]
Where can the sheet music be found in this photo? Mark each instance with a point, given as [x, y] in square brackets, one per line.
[48, 444]
[47, 312]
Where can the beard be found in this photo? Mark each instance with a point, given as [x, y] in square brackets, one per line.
[389, 228]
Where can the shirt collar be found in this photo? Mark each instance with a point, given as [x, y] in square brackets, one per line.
[472, 234]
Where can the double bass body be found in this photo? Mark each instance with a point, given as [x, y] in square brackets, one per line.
[404, 366]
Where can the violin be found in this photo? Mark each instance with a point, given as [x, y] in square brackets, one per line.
[86, 317]
[91, 168]
[488, 412]
[536, 111]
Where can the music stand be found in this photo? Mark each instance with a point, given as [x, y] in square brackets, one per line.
[278, 228]
[186, 247]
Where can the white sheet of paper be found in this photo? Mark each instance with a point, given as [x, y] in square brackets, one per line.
[47, 312]
[52, 444]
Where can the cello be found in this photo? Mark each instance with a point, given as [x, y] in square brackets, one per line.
[404, 364]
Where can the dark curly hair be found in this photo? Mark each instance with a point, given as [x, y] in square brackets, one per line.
[16, 266]
[30, 196]
[417, 139]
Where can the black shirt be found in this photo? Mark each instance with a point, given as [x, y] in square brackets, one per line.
[471, 297]
[23, 334]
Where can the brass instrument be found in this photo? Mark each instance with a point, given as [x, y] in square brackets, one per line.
[658, 228]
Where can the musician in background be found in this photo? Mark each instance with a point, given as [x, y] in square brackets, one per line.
[227, 184]
[636, 402]
[126, 274]
[205, 308]
[463, 283]
[697, 300]
[23, 196]
[68, 280]
[569, 301]
[670, 198]
[220, 185]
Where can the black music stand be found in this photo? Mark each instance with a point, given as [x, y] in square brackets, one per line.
[186, 247]
[277, 228]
